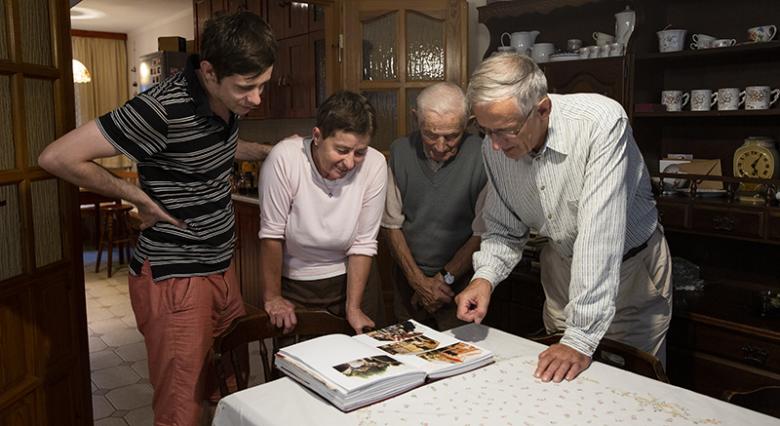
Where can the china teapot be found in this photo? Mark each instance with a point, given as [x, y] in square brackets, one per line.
[624, 25]
[522, 41]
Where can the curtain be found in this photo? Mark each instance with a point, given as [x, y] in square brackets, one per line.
[106, 61]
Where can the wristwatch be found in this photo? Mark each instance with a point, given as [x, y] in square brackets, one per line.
[449, 279]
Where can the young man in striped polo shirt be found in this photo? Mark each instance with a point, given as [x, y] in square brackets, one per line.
[183, 134]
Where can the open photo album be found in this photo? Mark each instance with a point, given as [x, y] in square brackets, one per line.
[355, 371]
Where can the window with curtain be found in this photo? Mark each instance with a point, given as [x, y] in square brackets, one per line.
[106, 60]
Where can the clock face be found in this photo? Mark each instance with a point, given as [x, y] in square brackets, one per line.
[754, 164]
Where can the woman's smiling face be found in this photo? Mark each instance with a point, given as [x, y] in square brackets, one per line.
[339, 153]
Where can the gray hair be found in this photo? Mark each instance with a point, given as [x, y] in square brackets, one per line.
[442, 99]
[507, 75]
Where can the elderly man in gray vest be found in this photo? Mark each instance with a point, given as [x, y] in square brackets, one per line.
[432, 217]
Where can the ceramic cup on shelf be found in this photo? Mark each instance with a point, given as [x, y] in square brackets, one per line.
[616, 49]
[593, 52]
[674, 100]
[762, 33]
[584, 52]
[604, 50]
[702, 41]
[703, 99]
[724, 42]
[541, 52]
[730, 98]
[671, 40]
[573, 45]
[603, 38]
[760, 97]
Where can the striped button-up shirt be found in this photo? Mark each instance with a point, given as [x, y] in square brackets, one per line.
[588, 191]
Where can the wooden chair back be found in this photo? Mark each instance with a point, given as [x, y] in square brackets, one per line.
[256, 326]
[622, 356]
[764, 399]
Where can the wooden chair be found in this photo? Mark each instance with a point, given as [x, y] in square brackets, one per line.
[620, 355]
[764, 399]
[256, 326]
[114, 231]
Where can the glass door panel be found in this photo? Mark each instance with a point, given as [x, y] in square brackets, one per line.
[3, 33]
[7, 149]
[36, 38]
[10, 233]
[46, 222]
[386, 105]
[379, 47]
[39, 117]
[424, 47]
[411, 103]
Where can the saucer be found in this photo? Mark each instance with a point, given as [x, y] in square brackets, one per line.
[558, 57]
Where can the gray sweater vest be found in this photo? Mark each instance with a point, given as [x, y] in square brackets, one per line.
[438, 207]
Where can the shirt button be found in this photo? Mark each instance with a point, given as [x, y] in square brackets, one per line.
[542, 188]
[549, 216]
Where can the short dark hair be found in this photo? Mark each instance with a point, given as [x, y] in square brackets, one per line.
[240, 43]
[347, 112]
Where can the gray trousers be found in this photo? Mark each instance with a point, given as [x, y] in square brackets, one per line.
[643, 308]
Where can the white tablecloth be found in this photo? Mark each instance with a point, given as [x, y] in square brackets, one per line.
[503, 393]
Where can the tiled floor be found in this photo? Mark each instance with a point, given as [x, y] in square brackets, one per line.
[121, 393]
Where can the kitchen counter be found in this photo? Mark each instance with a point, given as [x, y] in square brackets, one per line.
[248, 197]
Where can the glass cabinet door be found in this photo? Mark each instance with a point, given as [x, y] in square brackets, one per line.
[402, 47]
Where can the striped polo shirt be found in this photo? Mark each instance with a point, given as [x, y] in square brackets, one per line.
[588, 191]
[185, 156]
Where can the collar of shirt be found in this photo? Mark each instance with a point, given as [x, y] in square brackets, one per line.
[198, 92]
[553, 141]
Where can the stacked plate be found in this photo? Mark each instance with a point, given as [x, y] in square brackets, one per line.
[558, 57]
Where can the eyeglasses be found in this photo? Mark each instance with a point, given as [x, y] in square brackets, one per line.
[507, 133]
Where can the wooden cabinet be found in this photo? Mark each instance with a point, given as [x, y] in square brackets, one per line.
[557, 23]
[714, 347]
[298, 82]
[717, 340]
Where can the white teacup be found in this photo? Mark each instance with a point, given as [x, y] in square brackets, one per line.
[724, 42]
[760, 97]
[703, 99]
[541, 52]
[671, 40]
[762, 33]
[584, 52]
[730, 98]
[604, 50]
[603, 38]
[593, 51]
[573, 45]
[674, 100]
[702, 41]
[616, 49]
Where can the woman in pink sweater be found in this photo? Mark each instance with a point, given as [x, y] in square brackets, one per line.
[321, 201]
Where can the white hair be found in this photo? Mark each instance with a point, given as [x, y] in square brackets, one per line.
[442, 99]
[506, 75]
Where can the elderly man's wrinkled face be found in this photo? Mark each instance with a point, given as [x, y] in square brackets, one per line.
[441, 134]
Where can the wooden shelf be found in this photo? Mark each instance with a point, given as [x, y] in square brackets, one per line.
[715, 113]
[705, 56]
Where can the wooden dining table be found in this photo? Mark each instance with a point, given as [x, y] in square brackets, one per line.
[505, 392]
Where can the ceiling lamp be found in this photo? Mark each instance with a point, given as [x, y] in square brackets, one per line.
[80, 73]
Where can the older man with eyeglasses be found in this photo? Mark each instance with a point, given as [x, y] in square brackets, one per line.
[432, 212]
[567, 167]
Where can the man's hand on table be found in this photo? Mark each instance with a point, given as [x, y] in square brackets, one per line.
[473, 301]
[560, 361]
